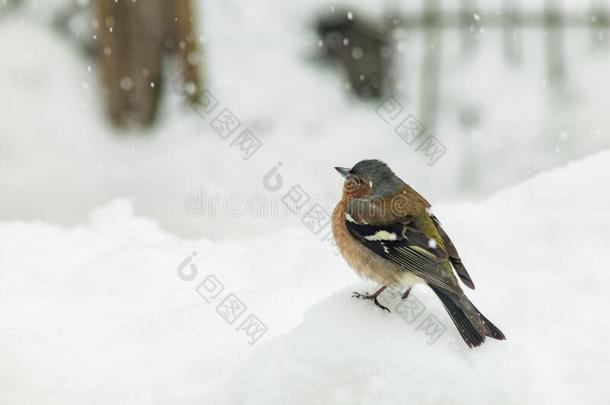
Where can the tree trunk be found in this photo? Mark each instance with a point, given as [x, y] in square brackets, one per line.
[181, 38]
[134, 37]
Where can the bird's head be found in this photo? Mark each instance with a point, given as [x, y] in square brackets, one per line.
[369, 178]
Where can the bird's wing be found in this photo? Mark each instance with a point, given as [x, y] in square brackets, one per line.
[407, 245]
[387, 209]
[454, 257]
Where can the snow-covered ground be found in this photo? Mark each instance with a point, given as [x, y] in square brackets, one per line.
[121, 253]
[108, 311]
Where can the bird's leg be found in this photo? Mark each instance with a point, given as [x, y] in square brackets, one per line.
[367, 296]
[405, 295]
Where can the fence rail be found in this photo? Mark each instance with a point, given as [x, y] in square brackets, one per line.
[511, 20]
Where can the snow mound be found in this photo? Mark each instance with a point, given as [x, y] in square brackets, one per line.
[534, 253]
[351, 352]
[97, 313]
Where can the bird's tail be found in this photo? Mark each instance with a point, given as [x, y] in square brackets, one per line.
[471, 323]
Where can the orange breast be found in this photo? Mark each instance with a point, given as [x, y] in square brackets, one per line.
[362, 260]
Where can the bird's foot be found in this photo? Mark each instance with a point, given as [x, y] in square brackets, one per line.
[367, 296]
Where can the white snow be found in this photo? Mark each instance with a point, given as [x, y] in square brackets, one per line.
[96, 313]
[55, 147]
[100, 232]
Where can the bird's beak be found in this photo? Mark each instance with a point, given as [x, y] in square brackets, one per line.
[343, 171]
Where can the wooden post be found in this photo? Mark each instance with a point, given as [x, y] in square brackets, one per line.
[134, 37]
[181, 38]
[512, 40]
[600, 22]
[431, 65]
[553, 26]
[470, 26]
[131, 58]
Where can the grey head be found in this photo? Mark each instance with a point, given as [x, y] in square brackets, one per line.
[380, 177]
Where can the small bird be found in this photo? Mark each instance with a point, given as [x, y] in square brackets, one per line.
[386, 232]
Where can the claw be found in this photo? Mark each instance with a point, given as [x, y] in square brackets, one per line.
[380, 306]
[373, 297]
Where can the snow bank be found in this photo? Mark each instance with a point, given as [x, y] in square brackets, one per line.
[535, 254]
[97, 313]
[534, 250]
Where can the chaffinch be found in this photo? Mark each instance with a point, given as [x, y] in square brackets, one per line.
[386, 232]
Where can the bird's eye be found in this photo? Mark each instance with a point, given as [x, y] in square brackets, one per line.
[352, 183]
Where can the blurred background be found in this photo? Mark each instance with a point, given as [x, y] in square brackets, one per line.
[176, 105]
